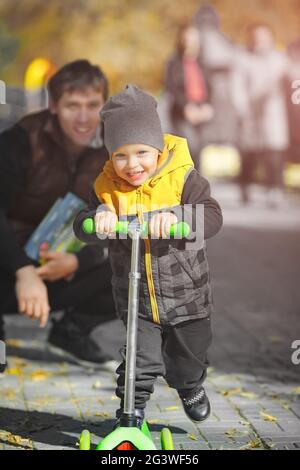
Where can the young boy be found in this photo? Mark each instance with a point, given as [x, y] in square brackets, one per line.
[151, 176]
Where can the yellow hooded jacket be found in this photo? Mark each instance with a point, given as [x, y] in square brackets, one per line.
[160, 192]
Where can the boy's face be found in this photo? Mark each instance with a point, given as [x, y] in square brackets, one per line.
[78, 114]
[135, 163]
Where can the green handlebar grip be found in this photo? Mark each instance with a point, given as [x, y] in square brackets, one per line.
[88, 226]
[181, 229]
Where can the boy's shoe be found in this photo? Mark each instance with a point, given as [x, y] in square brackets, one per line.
[139, 414]
[69, 341]
[196, 405]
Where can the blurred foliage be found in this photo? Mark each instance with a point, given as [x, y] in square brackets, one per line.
[130, 39]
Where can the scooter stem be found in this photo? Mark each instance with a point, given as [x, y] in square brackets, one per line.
[132, 320]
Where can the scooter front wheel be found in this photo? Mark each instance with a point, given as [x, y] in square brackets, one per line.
[85, 440]
[166, 439]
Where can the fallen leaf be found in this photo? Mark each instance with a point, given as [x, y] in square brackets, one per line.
[192, 437]
[249, 395]
[296, 391]
[14, 343]
[230, 392]
[17, 371]
[172, 408]
[231, 433]
[244, 422]
[9, 393]
[15, 439]
[267, 417]
[43, 401]
[103, 414]
[39, 375]
[253, 444]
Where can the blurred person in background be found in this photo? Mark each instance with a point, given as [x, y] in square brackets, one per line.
[261, 107]
[188, 90]
[218, 59]
[42, 157]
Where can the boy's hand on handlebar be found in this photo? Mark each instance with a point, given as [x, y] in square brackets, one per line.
[105, 222]
[160, 224]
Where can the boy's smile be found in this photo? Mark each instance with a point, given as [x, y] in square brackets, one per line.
[135, 163]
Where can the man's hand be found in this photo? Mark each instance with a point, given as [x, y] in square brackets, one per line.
[57, 266]
[32, 295]
[160, 224]
[105, 222]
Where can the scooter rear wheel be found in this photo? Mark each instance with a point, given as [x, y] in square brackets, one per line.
[166, 439]
[85, 440]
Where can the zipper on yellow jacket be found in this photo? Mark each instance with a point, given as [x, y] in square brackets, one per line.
[148, 264]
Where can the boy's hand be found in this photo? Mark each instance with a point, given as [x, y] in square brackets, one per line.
[105, 222]
[32, 295]
[57, 266]
[160, 224]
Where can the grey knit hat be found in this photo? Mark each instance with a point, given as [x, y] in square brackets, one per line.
[130, 117]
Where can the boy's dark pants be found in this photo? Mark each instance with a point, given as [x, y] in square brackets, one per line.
[179, 353]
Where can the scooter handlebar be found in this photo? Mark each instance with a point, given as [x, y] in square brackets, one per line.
[180, 229]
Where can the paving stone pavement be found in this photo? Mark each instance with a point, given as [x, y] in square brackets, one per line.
[252, 383]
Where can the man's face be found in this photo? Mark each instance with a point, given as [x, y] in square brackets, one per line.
[78, 114]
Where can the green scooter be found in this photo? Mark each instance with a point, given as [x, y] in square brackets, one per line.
[128, 436]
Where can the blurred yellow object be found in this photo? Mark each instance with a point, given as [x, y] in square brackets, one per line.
[37, 73]
[220, 161]
[292, 175]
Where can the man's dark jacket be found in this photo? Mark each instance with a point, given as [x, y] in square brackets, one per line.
[36, 168]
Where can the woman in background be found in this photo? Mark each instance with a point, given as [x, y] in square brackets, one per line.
[188, 89]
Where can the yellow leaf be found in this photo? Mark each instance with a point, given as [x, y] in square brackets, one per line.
[14, 343]
[9, 393]
[17, 371]
[103, 414]
[230, 392]
[171, 408]
[267, 417]
[253, 444]
[296, 391]
[192, 437]
[249, 395]
[15, 439]
[39, 375]
[231, 432]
